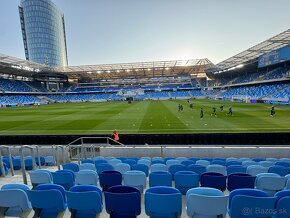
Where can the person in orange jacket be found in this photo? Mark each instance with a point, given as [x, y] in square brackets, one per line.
[115, 135]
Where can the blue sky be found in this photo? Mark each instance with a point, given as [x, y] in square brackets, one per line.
[121, 31]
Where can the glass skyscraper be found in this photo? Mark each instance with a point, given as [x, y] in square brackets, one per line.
[43, 31]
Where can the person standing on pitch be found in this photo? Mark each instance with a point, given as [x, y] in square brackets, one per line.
[230, 111]
[273, 111]
[201, 113]
[213, 111]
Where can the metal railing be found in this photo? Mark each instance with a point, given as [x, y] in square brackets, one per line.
[8, 148]
[23, 170]
[78, 149]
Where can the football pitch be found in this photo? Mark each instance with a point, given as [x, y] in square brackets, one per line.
[142, 117]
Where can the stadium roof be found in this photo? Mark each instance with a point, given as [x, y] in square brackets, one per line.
[251, 55]
[19, 67]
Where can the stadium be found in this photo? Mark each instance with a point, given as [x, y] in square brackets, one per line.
[217, 133]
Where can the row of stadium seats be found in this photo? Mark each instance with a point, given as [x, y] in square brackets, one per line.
[49, 197]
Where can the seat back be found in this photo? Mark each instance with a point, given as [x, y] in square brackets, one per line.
[215, 168]
[197, 168]
[65, 178]
[145, 162]
[88, 161]
[71, 166]
[265, 205]
[160, 178]
[123, 201]
[16, 202]
[197, 205]
[141, 167]
[77, 201]
[176, 168]
[86, 177]
[204, 163]
[280, 170]
[103, 167]
[114, 162]
[158, 167]
[122, 167]
[254, 170]
[185, 180]
[236, 169]
[110, 178]
[163, 202]
[48, 200]
[87, 166]
[270, 184]
[240, 180]
[213, 180]
[40, 177]
[135, 178]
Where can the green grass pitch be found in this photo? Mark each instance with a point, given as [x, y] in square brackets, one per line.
[142, 117]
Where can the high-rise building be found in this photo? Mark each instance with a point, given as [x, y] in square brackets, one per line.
[43, 31]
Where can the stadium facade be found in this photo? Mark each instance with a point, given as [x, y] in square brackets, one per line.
[43, 31]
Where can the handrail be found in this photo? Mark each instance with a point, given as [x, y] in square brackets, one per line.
[10, 159]
[57, 157]
[108, 139]
[23, 170]
[38, 157]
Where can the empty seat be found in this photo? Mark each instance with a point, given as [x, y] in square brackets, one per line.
[240, 180]
[283, 163]
[114, 162]
[14, 201]
[40, 177]
[266, 163]
[41, 159]
[247, 163]
[270, 183]
[122, 168]
[215, 168]
[233, 162]
[100, 161]
[250, 203]
[157, 162]
[65, 178]
[71, 166]
[176, 168]
[28, 163]
[86, 177]
[172, 162]
[87, 166]
[206, 202]
[131, 162]
[187, 162]
[185, 180]
[258, 159]
[204, 163]
[110, 178]
[163, 201]
[80, 206]
[280, 170]
[158, 167]
[103, 167]
[144, 161]
[272, 159]
[196, 168]
[180, 159]
[254, 170]
[123, 202]
[135, 178]
[48, 200]
[236, 169]
[213, 180]
[141, 167]
[49, 160]
[283, 204]
[219, 162]
[16, 163]
[160, 178]
[88, 161]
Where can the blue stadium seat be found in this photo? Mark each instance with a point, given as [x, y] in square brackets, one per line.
[256, 202]
[215, 168]
[163, 201]
[236, 169]
[86, 177]
[84, 201]
[136, 179]
[88, 161]
[48, 200]
[110, 178]
[49, 160]
[185, 180]
[282, 204]
[213, 180]
[176, 168]
[131, 162]
[141, 167]
[254, 170]
[103, 167]
[40, 176]
[87, 166]
[160, 178]
[187, 162]
[283, 163]
[197, 168]
[123, 202]
[71, 166]
[240, 180]
[270, 183]
[144, 161]
[158, 167]
[202, 162]
[65, 178]
[280, 170]
[122, 167]
[206, 202]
